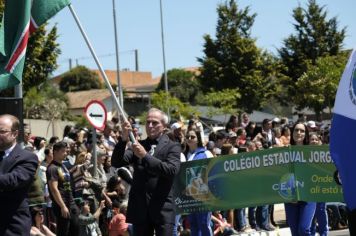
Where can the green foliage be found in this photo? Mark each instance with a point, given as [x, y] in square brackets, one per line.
[182, 85]
[45, 102]
[317, 87]
[80, 121]
[220, 102]
[2, 7]
[164, 101]
[315, 37]
[78, 79]
[232, 60]
[41, 57]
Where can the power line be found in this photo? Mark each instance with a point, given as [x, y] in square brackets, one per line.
[100, 56]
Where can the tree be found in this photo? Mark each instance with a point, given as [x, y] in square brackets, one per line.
[78, 79]
[220, 102]
[233, 60]
[317, 87]
[41, 57]
[45, 102]
[2, 7]
[182, 85]
[164, 101]
[315, 37]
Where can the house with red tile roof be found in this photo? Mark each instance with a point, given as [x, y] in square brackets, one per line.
[136, 85]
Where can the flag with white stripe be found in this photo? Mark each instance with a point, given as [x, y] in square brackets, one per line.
[342, 133]
[21, 17]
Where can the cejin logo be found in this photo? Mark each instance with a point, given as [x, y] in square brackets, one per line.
[287, 186]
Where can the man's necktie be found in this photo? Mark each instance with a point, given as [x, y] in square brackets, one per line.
[152, 151]
[153, 143]
[2, 154]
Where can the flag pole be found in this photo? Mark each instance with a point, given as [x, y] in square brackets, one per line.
[118, 77]
[106, 80]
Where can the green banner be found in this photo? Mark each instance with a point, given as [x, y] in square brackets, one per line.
[295, 173]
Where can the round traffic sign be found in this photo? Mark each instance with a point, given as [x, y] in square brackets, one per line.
[96, 114]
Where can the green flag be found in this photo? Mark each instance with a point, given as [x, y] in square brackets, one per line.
[42, 10]
[21, 17]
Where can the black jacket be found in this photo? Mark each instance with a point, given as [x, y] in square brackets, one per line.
[151, 194]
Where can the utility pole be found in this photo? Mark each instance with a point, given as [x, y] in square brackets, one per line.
[136, 60]
[164, 55]
[118, 79]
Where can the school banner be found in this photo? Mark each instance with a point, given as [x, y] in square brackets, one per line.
[295, 173]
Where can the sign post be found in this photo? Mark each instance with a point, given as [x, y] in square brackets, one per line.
[95, 113]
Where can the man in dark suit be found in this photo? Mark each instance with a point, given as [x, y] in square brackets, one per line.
[156, 161]
[17, 171]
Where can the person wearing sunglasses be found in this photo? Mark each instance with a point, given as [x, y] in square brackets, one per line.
[38, 227]
[156, 162]
[199, 222]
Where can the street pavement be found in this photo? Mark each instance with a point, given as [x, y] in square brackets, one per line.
[280, 219]
[283, 229]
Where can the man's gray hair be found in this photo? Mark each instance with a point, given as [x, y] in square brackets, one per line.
[165, 119]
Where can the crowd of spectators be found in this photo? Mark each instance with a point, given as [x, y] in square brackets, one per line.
[68, 197]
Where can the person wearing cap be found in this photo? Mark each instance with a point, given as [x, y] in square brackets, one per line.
[276, 122]
[233, 141]
[311, 125]
[156, 162]
[177, 132]
[232, 135]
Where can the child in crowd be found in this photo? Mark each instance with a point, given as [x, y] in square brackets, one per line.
[88, 225]
[118, 225]
[221, 227]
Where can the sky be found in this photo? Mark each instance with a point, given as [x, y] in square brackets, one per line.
[185, 23]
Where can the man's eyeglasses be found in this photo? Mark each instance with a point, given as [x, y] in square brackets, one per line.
[5, 131]
[191, 136]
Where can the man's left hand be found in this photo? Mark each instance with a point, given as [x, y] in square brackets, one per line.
[138, 150]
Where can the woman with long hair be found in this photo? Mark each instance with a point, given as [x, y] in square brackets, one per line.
[300, 214]
[199, 222]
[38, 227]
